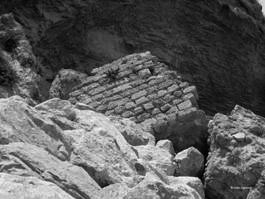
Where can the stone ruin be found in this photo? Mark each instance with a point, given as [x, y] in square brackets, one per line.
[145, 90]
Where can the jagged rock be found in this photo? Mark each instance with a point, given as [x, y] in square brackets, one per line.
[22, 123]
[166, 145]
[134, 133]
[190, 162]
[64, 82]
[19, 66]
[28, 160]
[160, 159]
[236, 160]
[18, 187]
[98, 146]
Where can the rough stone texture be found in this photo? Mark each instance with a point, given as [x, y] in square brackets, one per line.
[166, 145]
[153, 188]
[117, 191]
[16, 54]
[134, 133]
[28, 160]
[151, 101]
[130, 95]
[22, 123]
[18, 187]
[217, 44]
[235, 166]
[82, 151]
[190, 162]
[160, 159]
[98, 146]
[188, 129]
[64, 82]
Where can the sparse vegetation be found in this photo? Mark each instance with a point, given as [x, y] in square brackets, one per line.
[112, 74]
[7, 75]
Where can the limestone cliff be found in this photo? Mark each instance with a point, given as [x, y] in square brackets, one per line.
[217, 44]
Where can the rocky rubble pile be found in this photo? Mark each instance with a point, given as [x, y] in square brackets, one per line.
[70, 151]
[141, 88]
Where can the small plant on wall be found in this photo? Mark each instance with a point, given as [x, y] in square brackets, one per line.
[112, 74]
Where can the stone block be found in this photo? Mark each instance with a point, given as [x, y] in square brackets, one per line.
[127, 114]
[138, 95]
[138, 110]
[143, 116]
[191, 89]
[173, 109]
[165, 108]
[148, 106]
[191, 97]
[177, 93]
[161, 93]
[185, 105]
[119, 109]
[173, 88]
[156, 111]
[121, 88]
[184, 85]
[130, 105]
[177, 101]
[144, 73]
[142, 100]
[158, 103]
[97, 90]
[168, 98]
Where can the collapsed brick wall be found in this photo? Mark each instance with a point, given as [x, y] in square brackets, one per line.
[138, 87]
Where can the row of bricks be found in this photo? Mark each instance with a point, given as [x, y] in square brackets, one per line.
[123, 77]
[170, 96]
[129, 88]
[125, 63]
[131, 109]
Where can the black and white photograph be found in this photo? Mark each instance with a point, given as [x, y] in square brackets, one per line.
[132, 99]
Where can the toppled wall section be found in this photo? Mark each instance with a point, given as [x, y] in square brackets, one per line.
[136, 87]
[141, 88]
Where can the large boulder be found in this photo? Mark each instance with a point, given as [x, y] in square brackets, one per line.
[159, 158]
[19, 187]
[28, 160]
[236, 161]
[134, 133]
[22, 123]
[98, 146]
[190, 162]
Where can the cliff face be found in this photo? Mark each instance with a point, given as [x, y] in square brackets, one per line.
[218, 45]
